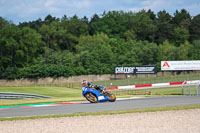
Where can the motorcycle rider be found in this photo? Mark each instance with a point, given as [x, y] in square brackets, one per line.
[91, 85]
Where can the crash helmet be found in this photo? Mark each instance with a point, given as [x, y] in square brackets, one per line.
[84, 83]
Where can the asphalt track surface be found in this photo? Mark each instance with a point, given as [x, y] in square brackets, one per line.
[139, 103]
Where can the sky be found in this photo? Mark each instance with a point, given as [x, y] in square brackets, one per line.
[29, 10]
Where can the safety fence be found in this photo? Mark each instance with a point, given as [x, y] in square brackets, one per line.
[188, 88]
[145, 86]
[191, 88]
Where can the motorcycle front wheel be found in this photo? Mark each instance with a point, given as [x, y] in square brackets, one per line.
[91, 97]
[111, 97]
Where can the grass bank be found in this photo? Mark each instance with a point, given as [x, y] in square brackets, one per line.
[58, 94]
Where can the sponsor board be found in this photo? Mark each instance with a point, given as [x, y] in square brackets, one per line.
[124, 70]
[180, 65]
[145, 70]
[135, 69]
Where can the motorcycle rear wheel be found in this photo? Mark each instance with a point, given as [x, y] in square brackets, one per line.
[92, 98]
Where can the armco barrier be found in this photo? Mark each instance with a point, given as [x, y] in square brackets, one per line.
[152, 85]
[7, 96]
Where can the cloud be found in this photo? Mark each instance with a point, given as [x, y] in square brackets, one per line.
[23, 10]
[20, 8]
[60, 6]
[153, 5]
[170, 5]
[26, 9]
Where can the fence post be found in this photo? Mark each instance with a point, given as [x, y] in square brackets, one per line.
[189, 90]
[183, 87]
[197, 90]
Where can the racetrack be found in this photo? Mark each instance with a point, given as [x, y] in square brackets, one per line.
[99, 107]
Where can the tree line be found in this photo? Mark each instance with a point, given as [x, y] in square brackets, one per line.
[68, 46]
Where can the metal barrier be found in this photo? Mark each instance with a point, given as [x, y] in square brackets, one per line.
[191, 89]
[12, 96]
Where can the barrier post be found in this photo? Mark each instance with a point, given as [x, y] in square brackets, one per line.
[189, 90]
[183, 87]
[197, 89]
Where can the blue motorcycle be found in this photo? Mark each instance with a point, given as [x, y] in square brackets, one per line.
[94, 96]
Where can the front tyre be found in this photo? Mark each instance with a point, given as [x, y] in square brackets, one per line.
[91, 97]
[111, 97]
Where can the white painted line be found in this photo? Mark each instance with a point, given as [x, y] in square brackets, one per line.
[120, 99]
[160, 84]
[126, 87]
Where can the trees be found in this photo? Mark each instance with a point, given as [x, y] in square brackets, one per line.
[180, 35]
[195, 28]
[21, 46]
[3, 22]
[9, 38]
[74, 46]
[76, 26]
[143, 26]
[164, 27]
[95, 54]
[181, 18]
[195, 50]
[56, 37]
[18, 47]
[35, 25]
[149, 54]
[167, 51]
[112, 23]
[184, 51]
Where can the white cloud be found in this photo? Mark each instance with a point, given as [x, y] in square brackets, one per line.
[153, 5]
[19, 10]
[61, 7]
[49, 6]
[22, 9]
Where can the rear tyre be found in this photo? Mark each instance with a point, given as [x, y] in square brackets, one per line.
[111, 97]
[92, 98]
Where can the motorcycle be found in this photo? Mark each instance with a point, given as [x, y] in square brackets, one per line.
[94, 96]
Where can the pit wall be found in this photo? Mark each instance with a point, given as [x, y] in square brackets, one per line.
[70, 81]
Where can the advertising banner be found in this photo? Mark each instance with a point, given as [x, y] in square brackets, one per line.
[135, 69]
[180, 65]
[124, 70]
[145, 70]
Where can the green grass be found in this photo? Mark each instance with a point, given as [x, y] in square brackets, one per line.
[47, 91]
[58, 94]
[167, 91]
[149, 92]
[171, 108]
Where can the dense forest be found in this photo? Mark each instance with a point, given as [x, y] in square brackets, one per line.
[68, 46]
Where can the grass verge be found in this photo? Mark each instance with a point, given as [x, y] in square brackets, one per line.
[170, 108]
[58, 94]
